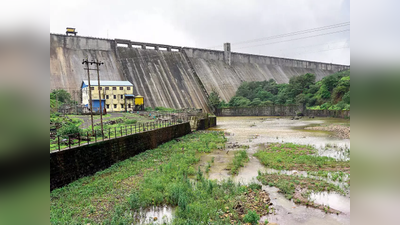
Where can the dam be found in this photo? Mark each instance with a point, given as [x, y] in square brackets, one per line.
[171, 76]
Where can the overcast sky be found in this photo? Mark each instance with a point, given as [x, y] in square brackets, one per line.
[210, 23]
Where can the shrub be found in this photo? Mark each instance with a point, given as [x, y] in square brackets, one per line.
[251, 217]
[68, 129]
[130, 121]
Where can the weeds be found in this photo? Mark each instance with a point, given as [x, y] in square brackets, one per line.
[287, 184]
[289, 156]
[251, 217]
[238, 161]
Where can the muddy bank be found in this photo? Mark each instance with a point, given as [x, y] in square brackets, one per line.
[322, 207]
[339, 130]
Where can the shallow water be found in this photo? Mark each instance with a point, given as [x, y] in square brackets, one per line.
[156, 215]
[253, 131]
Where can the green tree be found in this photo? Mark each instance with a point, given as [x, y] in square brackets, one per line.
[214, 99]
[239, 101]
[62, 95]
[256, 102]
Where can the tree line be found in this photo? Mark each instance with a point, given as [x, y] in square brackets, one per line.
[332, 92]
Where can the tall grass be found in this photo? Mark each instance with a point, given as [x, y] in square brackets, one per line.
[238, 161]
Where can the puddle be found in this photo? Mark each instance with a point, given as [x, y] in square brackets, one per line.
[156, 215]
[288, 213]
[218, 170]
[333, 200]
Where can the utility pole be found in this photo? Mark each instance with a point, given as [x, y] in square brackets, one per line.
[86, 62]
[98, 63]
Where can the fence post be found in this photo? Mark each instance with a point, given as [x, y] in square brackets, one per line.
[115, 132]
[58, 138]
[79, 139]
[135, 128]
[102, 134]
[131, 129]
[121, 131]
[87, 137]
[69, 141]
[126, 131]
[109, 134]
[95, 136]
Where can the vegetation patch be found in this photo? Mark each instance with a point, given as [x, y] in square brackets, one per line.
[153, 178]
[300, 188]
[256, 203]
[239, 159]
[289, 156]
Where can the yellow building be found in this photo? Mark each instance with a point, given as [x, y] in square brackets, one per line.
[116, 96]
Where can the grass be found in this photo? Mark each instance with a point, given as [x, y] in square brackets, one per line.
[287, 184]
[155, 177]
[300, 188]
[334, 176]
[289, 156]
[238, 161]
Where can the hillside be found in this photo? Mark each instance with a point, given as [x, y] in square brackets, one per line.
[332, 92]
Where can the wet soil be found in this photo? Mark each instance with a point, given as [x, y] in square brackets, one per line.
[339, 130]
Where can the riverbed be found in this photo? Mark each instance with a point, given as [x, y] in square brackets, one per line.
[253, 131]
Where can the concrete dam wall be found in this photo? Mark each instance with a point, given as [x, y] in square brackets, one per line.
[217, 74]
[67, 53]
[163, 77]
[177, 79]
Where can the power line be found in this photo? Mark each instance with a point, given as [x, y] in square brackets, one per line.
[291, 34]
[341, 31]
[329, 44]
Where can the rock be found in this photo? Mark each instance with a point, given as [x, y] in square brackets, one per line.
[155, 218]
[272, 224]
[289, 212]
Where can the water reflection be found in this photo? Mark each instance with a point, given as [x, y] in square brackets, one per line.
[156, 215]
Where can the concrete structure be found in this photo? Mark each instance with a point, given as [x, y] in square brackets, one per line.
[227, 53]
[281, 110]
[116, 96]
[171, 76]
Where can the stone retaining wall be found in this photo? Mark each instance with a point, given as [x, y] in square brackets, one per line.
[273, 110]
[280, 110]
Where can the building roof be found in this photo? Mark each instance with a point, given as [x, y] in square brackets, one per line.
[85, 83]
[129, 95]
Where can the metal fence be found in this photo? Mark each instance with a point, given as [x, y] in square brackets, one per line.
[83, 138]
